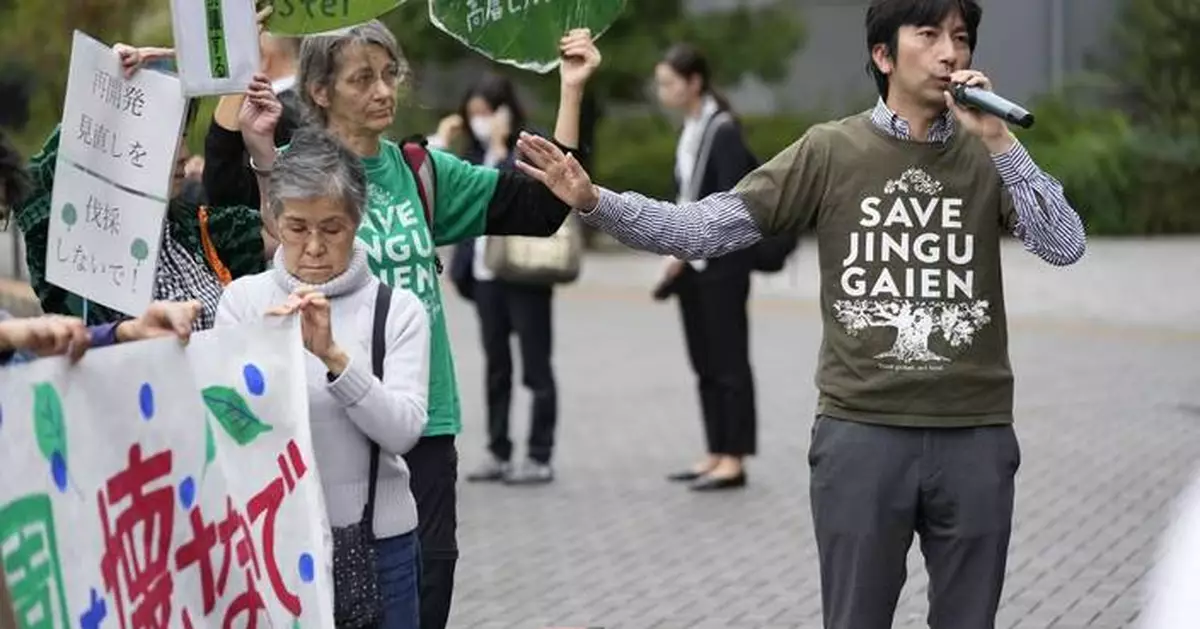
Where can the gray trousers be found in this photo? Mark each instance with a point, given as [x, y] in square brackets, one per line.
[873, 486]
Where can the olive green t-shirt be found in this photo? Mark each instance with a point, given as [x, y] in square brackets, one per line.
[909, 249]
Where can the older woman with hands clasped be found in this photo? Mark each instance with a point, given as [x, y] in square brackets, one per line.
[362, 420]
[348, 82]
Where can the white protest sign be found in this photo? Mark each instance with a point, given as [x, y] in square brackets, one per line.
[152, 485]
[116, 160]
[216, 45]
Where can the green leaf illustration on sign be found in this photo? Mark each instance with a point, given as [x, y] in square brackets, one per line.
[234, 415]
[139, 249]
[300, 17]
[210, 448]
[210, 444]
[48, 421]
[69, 215]
[521, 33]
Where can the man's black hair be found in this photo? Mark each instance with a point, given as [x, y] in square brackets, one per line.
[885, 17]
[14, 177]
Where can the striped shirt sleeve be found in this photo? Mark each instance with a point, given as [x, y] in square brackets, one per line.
[1046, 223]
[711, 227]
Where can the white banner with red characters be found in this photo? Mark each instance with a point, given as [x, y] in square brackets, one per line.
[154, 486]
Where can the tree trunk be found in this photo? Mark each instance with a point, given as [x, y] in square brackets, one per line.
[912, 340]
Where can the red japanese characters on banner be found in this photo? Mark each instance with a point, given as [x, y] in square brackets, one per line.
[137, 541]
[137, 514]
[157, 485]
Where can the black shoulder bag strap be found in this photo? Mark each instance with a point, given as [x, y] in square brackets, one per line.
[383, 301]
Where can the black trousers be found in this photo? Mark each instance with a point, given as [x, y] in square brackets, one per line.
[433, 470]
[506, 308]
[873, 486]
[717, 330]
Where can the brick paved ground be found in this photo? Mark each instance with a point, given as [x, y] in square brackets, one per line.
[1108, 403]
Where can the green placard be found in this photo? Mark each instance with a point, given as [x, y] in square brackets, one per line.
[301, 17]
[521, 33]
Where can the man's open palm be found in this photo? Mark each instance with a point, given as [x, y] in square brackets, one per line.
[560, 173]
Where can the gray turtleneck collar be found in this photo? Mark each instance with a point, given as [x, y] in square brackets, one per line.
[353, 278]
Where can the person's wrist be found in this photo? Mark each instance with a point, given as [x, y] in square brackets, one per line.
[593, 200]
[335, 360]
[262, 162]
[572, 90]
[127, 330]
[999, 141]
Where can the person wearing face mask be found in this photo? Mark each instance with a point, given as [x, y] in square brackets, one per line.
[494, 116]
[203, 248]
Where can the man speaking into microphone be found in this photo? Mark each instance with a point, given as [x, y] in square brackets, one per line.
[909, 202]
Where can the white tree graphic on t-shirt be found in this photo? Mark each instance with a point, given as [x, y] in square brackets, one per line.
[914, 322]
[914, 180]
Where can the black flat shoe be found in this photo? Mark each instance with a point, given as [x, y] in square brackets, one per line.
[709, 483]
[685, 477]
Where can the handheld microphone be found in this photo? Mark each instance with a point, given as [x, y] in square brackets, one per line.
[989, 102]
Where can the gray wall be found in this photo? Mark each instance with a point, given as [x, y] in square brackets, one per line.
[1025, 46]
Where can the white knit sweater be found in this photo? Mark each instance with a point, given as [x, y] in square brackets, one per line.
[356, 406]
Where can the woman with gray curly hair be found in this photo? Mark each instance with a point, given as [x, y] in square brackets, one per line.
[367, 370]
[349, 80]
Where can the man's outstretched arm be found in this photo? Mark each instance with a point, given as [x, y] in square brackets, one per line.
[781, 196]
[708, 228]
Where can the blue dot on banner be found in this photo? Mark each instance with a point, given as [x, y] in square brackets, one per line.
[187, 492]
[306, 567]
[255, 383]
[146, 401]
[58, 469]
[93, 618]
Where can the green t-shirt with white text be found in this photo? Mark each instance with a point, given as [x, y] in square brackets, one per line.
[401, 251]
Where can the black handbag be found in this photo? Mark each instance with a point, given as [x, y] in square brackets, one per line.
[357, 600]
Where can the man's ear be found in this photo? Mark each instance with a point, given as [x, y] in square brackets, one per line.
[882, 56]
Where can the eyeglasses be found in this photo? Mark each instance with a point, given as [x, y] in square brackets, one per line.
[299, 233]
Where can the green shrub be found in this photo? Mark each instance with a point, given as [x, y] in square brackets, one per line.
[1121, 178]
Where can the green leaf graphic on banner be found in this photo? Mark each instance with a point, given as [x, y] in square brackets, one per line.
[210, 444]
[299, 17]
[234, 415]
[521, 33]
[48, 421]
